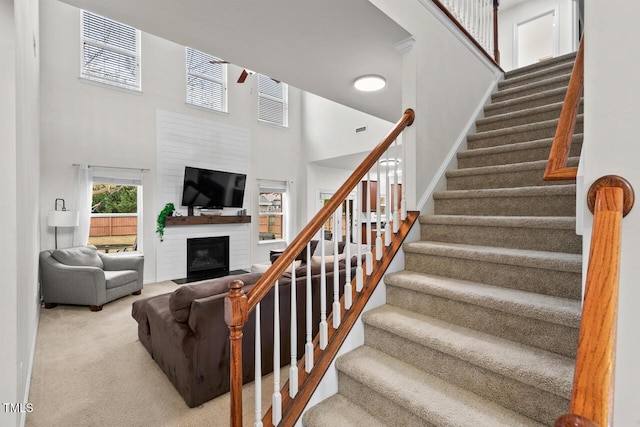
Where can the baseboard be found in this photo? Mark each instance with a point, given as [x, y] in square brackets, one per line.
[32, 356]
[448, 163]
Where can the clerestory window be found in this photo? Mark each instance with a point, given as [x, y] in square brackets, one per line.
[110, 52]
[273, 99]
[206, 80]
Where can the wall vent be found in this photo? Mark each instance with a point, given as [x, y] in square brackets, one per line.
[361, 129]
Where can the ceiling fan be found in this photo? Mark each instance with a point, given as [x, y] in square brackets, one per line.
[243, 75]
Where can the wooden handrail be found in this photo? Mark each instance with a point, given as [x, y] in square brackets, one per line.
[267, 280]
[610, 198]
[238, 305]
[496, 52]
[557, 169]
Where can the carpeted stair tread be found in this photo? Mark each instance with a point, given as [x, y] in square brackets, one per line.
[554, 222]
[561, 311]
[337, 410]
[569, 57]
[514, 167]
[557, 261]
[521, 103]
[535, 367]
[563, 68]
[547, 126]
[501, 152]
[534, 191]
[528, 115]
[531, 88]
[429, 398]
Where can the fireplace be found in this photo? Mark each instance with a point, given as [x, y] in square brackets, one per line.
[207, 257]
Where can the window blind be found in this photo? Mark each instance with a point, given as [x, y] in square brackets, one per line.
[272, 101]
[206, 82]
[110, 51]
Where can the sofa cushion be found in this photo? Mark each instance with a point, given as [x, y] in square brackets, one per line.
[180, 300]
[84, 256]
[120, 278]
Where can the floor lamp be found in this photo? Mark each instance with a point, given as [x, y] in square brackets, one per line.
[62, 218]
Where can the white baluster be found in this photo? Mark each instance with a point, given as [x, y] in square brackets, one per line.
[396, 215]
[308, 348]
[337, 231]
[293, 368]
[258, 372]
[369, 255]
[276, 401]
[378, 210]
[403, 204]
[324, 328]
[348, 295]
[358, 216]
[387, 224]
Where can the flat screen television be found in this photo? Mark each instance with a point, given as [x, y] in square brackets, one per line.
[212, 189]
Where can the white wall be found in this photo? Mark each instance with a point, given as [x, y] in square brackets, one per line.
[443, 81]
[90, 123]
[19, 133]
[524, 11]
[611, 146]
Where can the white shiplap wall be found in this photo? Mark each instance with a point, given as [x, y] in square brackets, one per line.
[183, 140]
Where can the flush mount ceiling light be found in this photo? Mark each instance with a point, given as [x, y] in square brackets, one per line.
[370, 83]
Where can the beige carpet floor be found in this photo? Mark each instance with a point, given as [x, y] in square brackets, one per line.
[91, 370]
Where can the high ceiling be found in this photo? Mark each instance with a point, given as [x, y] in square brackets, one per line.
[320, 46]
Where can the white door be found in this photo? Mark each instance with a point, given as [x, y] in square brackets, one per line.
[536, 39]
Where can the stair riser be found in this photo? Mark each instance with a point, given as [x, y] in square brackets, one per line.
[551, 282]
[542, 86]
[523, 134]
[522, 398]
[520, 119]
[517, 81]
[564, 59]
[376, 404]
[553, 97]
[508, 206]
[548, 336]
[532, 133]
[516, 156]
[538, 239]
[529, 178]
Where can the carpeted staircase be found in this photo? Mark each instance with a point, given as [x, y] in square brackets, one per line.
[481, 327]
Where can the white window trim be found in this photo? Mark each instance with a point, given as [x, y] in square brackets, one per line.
[111, 83]
[285, 106]
[269, 186]
[222, 82]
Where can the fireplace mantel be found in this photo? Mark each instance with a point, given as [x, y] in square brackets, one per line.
[207, 219]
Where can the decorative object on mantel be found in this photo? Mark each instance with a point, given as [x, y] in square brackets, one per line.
[162, 216]
[62, 218]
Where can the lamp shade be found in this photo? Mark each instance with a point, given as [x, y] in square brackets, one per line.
[63, 219]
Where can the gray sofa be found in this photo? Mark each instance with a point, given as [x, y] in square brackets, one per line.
[83, 276]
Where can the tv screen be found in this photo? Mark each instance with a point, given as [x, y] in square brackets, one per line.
[212, 189]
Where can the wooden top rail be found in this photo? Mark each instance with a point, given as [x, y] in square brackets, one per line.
[267, 280]
[610, 198]
[557, 169]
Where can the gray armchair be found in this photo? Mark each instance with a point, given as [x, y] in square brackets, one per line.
[83, 276]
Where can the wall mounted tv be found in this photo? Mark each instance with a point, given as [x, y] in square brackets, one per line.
[212, 189]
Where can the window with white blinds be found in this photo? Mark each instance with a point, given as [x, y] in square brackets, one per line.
[273, 98]
[273, 212]
[206, 81]
[110, 52]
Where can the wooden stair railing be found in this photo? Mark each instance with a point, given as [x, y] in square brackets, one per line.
[239, 305]
[557, 169]
[610, 198]
[478, 21]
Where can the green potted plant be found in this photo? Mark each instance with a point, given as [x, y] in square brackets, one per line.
[162, 216]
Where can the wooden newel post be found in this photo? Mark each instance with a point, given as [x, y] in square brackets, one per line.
[236, 314]
[496, 50]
